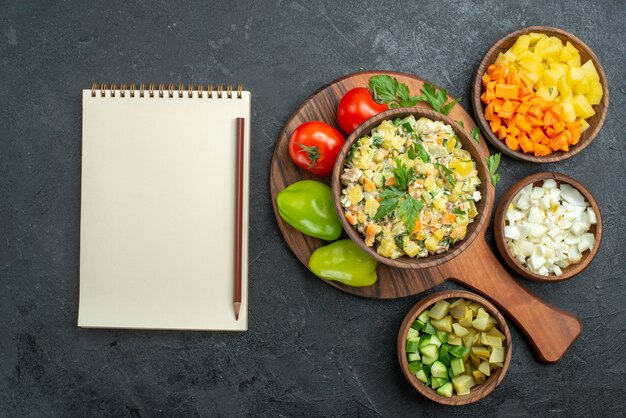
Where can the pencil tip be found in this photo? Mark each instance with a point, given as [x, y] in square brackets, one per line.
[237, 307]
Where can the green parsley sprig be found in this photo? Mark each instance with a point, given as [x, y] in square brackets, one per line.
[493, 161]
[476, 134]
[386, 88]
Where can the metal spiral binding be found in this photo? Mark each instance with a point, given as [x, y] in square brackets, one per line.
[151, 90]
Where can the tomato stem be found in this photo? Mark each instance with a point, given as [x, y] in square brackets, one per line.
[313, 153]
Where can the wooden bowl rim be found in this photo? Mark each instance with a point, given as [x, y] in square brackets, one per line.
[486, 189]
[499, 221]
[480, 391]
[477, 105]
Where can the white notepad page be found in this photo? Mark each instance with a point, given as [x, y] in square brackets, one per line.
[158, 211]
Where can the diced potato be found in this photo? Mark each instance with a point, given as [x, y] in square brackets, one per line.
[569, 115]
[467, 320]
[565, 89]
[458, 311]
[411, 248]
[595, 93]
[431, 243]
[582, 107]
[479, 377]
[481, 323]
[590, 71]
[551, 77]
[521, 44]
[582, 87]
[575, 75]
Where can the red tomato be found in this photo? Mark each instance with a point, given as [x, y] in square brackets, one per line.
[357, 106]
[314, 146]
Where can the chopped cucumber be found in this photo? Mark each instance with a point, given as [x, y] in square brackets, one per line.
[415, 366]
[435, 341]
[438, 369]
[459, 351]
[454, 345]
[412, 345]
[417, 325]
[430, 360]
[413, 356]
[429, 350]
[457, 366]
[429, 329]
[438, 381]
[444, 357]
[445, 390]
[423, 317]
[421, 376]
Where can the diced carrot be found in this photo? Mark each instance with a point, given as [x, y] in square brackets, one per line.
[350, 218]
[574, 129]
[541, 150]
[526, 144]
[568, 137]
[490, 91]
[498, 72]
[550, 132]
[517, 118]
[534, 122]
[535, 111]
[549, 118]
[502, 132]
[559, 127]
[523, 108]
[512, 130]
[448, 219]
[537, 135]
[486, 79]
[507, 110]
[489, 111]
[558, 143]
[418, 226]
[497, 105]
[523, 125]
[507, 91]
[512, 143]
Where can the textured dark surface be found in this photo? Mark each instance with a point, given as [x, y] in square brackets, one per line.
[311, 350]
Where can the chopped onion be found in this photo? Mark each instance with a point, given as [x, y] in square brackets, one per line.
[548, 227]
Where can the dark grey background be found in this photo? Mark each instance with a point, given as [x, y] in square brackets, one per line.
[311, 350]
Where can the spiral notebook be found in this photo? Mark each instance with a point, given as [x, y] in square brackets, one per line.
[158, 207]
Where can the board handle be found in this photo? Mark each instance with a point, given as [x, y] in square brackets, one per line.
[549, 329]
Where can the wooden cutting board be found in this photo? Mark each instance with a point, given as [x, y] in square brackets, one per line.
[550, 330]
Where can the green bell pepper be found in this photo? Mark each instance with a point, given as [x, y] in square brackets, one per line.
[307, 205]
[345, 262]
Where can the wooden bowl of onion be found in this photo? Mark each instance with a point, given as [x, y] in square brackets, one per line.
[548, 227]
[454, 347]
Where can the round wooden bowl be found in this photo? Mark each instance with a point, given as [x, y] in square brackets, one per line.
[468, 144]
[500, 220]
[478, 392]
[595, 122]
